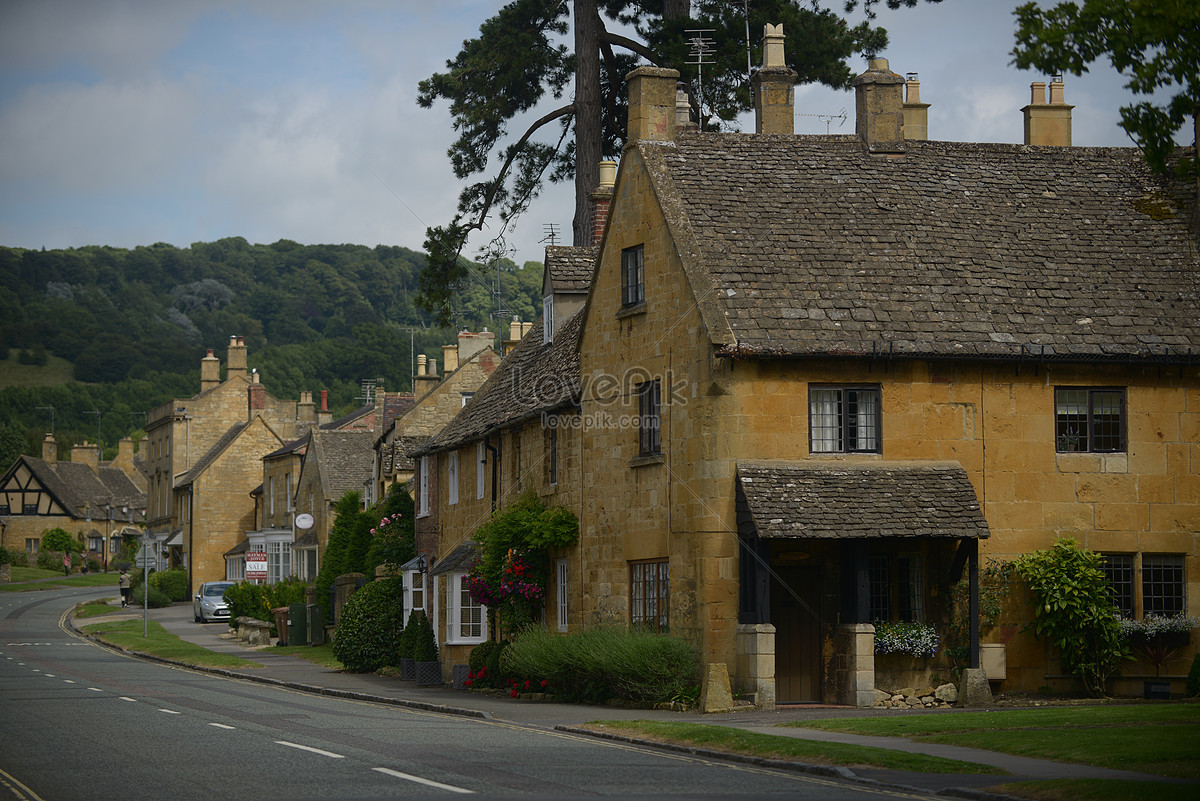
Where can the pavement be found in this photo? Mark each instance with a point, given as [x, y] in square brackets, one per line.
[301, 674]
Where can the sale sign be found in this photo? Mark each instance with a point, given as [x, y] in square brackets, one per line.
[256, 564]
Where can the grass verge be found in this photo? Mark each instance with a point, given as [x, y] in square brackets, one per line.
[1097, 790]
[320, 654]
[1162, 739]
[77, 580]
[94, 608]
[770, 746]
[127, 635]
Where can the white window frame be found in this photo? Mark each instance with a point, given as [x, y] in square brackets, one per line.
[548, 319]
[423, 487]
[235, 568]
[414, 592]
[560, 571]
[454, 611]
[480, 470]
[452, 478]
[271, 495]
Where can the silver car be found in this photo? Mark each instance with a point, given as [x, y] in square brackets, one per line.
[209, 603]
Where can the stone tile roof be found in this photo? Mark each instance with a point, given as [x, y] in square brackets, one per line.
[75, 486]
[463, 557]
[345, 459]
[571, 267]
[345, 420]
[533, 379]
[807, 245]
[393, 456]
[841, 500]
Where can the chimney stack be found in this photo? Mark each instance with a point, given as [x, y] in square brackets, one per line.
[306, 410]
[652, 104]
[469, 343]
[210, 371]
[323, 414]
[773, 87]
[602, 200]
[1047, 123]
[49, 449]
[426, 377]
[256, 400]
[450, 358]
[87, 454]
[916, 113]
[236, 357]
[879, 118]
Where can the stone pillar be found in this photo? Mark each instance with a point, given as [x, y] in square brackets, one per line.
[854, 664]
[756, 662]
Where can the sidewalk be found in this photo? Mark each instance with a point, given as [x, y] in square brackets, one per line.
[300, 674]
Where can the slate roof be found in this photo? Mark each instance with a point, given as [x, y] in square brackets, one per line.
[463, 557]
[533, 379]
[839, 500]
[345, 460]
[74, 485]
[347, 419]
[571, 267]
[394, 455]
[800, 245]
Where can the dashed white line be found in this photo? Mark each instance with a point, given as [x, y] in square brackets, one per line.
[69, 681]
[426, 782]
[96, 690]
[49, 675]
[310, 748]
[220, 725]
[170, 711]
[127, 698]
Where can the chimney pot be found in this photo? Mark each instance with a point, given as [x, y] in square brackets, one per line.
[916, 113]
[49, 449]
[324, 400]
[1047, 123]
[421, 361]
[514, 329]
[450, 358]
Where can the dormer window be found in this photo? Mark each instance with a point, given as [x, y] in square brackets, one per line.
[548, 318]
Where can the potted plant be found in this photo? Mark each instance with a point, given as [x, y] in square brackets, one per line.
[425, 652]
[1158, 639]
[408, 666]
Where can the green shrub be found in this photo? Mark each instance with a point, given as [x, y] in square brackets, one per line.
[5, 556]
[158, 598]
[248, 600]
[284, 593]
[49, 560]
[95, 566]
[424, 645]
[484, 661]
[368, 631]
[404, 646]
[589, 664]
[1193, 678]
[59, 541]
[172, 583]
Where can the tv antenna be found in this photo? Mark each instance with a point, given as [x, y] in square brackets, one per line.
[51, 410]
[702, 52]
[828, 118]
[551, 230]
[368, 391]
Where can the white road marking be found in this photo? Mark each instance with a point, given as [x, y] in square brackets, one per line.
[310, 748]
[124, 697]
[49, 675]
[426, 782]
[220, 725]
[170, 711]
[68, 681]
[96, 690]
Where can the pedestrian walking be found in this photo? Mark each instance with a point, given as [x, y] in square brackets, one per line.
[66, 564]
[124, 583]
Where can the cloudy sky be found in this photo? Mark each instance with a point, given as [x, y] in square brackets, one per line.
[129, 122]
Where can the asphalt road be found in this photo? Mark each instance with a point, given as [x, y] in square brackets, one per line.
[78, 721]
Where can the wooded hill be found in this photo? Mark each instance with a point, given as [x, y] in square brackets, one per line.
[132, 326]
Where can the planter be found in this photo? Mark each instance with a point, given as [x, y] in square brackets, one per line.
[461, 674]
[429, 673]
[1158, 690]
[408, 669]
[994, 661]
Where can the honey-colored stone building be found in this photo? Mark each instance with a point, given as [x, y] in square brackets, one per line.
[820, 378]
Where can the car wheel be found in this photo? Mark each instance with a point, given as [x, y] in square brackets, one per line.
[196, 617]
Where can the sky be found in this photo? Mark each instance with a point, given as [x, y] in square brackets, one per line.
[130, 122]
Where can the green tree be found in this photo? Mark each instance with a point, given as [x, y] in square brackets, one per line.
[1073, 610]
[1153, 43]
[12, 444]
[516, 62]
[349, 541]
[59, 541]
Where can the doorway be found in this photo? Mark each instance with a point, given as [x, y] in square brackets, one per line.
[797, 634]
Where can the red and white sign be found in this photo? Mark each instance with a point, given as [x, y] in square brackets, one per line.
[256, 564]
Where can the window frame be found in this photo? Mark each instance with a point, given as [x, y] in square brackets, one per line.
[652, 574]
[423, 487]
[480, 470]
[650, 411]
[414, 595]
[1063, 440]
[552, 456]
[452, 478]
[456, 593]
[633, 276]
[562, 593]
[1138, 580]
[547, 319]
[848, 425]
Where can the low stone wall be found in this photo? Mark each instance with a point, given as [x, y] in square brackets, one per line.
[253, 631]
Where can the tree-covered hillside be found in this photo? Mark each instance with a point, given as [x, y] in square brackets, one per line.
[134, 325]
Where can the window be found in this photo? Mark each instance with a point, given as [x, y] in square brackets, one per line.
[552, 455]
[466, 618]
[1162, 585]
[423, 487]
[31, 544]
[650, 595]
[633, 279]
[548, 319]
[235, 568]
[516, 438]
[560, 572]
[96, 544]
[279, 561]
[271, 495]
[466, 397]
[1146, 584]
[897, 588]
[1089, 420]
[287, 480]
[480, 469]
[649, 418]
[843, 419]
[414, 591]
[452, 477]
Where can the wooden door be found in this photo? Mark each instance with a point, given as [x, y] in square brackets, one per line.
[795, 609]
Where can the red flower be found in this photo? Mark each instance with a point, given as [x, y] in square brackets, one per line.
[526, 684]
[468, 683]
[545, 682]
[513, 693]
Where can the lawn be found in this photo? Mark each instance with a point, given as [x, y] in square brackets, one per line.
[25, 579]
[770, 746]
[94, 608]
[1162, 739]
[127, 635]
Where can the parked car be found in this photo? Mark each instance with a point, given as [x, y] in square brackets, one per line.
[209, 603]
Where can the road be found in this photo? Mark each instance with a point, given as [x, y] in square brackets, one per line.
[78, 721]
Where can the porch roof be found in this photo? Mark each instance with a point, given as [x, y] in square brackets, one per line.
[837, 500]
[463, 557]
